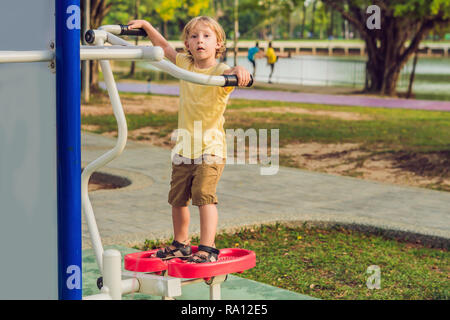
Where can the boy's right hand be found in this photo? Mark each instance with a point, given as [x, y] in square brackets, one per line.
[138, 24]
[242, 74]
[155, 37]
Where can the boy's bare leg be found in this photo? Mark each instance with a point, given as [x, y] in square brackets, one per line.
[208, 224]
[180, 219]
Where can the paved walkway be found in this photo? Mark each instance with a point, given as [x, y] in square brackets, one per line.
[272, 95]
[140, 211]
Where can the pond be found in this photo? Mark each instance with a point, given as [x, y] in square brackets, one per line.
[432, 74]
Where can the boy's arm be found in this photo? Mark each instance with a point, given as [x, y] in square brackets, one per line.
[155, 37]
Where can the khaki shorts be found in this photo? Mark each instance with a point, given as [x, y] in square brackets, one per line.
[196, 179]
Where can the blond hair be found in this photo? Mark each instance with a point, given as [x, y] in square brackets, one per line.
[214, 25]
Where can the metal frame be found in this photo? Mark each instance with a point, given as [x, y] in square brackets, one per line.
[66, 58]
[160, 285]
[68, 87]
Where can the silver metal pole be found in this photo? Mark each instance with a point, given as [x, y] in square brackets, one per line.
[26, 56]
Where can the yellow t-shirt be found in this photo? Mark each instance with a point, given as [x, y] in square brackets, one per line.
[200, 115]
[271, 56]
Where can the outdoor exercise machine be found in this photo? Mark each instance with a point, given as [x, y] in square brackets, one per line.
[148, 274]
[41, 193]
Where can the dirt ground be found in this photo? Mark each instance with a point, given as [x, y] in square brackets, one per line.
[429, 170]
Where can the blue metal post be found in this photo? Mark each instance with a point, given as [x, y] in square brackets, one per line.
[68, 83]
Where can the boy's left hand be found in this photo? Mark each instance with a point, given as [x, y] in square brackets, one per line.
[242, 74]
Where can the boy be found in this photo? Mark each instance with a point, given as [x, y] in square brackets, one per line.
[198, 174]
[251, 56]
[271, 59]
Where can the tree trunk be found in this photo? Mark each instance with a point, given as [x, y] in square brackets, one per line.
[165, 31]
[218, 10]
[137, 3]
[330, 32]
[389, 86]
[273, 30]
[345, 29]
[94, 65]
[99, 9]
[374, 80]
[413, 73]
[303, 21]
[313, 18]
[291, 26]
[385, 66]
[264, 33]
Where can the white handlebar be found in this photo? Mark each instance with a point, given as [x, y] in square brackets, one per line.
[121, 53]
[183, 74]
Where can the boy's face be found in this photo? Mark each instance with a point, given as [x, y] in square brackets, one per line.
[202, 42]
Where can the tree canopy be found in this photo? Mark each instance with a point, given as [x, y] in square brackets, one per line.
[403, 24]
[271, 19]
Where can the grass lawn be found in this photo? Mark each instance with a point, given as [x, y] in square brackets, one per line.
[398, 128]
[332, 263]
[107, 123]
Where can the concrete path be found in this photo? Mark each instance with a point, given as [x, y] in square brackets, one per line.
[140, 211]
[272, 95]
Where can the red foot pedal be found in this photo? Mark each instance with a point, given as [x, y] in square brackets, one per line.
[230, 261]
[144, 262]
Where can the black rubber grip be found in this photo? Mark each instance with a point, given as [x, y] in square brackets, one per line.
[89, 36]
[231, 80]
[133, 32]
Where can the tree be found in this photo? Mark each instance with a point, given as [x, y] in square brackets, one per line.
[313, 18]
[137, 16]
[166, 10]
[113, 12]
[254, 17]
[99, 9]
[404, 24]
[330, 30]
[303, 20]
[180, 11]
[321, 17]
[285, 9]
[218, 9]
[259, 15]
